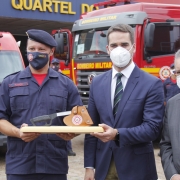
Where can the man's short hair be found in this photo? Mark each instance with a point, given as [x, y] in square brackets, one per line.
[177, 54]
[121, 28]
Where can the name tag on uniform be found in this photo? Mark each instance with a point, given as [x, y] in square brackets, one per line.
[18, 84]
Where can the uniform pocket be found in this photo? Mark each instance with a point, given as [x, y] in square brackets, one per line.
[15, 149]
[58, 99]
[58, 146]
[99, 145]
[19, 98]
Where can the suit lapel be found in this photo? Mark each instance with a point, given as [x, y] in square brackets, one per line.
[176, 116]
[174, 120]
[107, 93]
[131, 84]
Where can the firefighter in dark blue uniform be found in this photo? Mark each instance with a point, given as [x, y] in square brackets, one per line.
[37, 90]
[170, 85]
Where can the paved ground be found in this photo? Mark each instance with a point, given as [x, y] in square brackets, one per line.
[76, 170]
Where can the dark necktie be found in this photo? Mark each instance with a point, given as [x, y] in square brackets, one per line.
[118, 93]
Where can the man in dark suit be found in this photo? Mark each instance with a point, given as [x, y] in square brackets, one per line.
[128, 104]
[170, 88]
[170, 148]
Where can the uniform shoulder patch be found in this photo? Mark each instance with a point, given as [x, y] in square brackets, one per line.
[11, 74]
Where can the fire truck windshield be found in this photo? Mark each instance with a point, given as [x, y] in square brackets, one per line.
[10, 62]
[90, 43]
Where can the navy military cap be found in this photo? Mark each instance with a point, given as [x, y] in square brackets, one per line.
[55, 61]
[41, 37]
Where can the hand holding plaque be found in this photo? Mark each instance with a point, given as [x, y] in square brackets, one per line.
[77, 121]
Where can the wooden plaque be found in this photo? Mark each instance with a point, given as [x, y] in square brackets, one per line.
[62, 129]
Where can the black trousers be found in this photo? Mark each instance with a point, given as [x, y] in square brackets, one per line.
[36, 177]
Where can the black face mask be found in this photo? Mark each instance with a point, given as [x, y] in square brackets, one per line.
[37, 60]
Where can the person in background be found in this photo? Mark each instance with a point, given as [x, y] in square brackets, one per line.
[169, 144]
[38, 90]
[170, 85]
[128, 104]
[55, 64]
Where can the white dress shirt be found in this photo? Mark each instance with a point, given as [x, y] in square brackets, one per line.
[126, 74]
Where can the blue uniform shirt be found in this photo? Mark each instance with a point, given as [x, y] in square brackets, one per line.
[21, 98]
[170, 89]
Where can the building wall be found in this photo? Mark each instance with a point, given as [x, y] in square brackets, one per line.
[55, 10]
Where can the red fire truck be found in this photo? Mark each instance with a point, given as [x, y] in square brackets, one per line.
[10, 61]
[157, 38]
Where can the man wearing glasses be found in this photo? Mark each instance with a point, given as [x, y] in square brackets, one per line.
[170, 148]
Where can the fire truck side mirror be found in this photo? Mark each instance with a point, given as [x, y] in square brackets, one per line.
[149, 35]
[60, 43]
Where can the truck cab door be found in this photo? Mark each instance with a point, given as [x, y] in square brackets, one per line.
[63, 51]
[161, 41]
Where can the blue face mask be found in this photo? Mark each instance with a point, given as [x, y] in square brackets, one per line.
[55, 68]
[37, 60]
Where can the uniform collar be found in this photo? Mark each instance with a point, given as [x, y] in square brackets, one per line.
[126, 72]
[52, 73]
[27, 73]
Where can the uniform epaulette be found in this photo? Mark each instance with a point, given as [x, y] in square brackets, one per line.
[11, 74]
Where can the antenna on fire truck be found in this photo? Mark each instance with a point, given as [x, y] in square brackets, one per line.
[109, 3]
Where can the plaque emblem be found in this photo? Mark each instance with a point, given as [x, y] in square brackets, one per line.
[77, 120]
